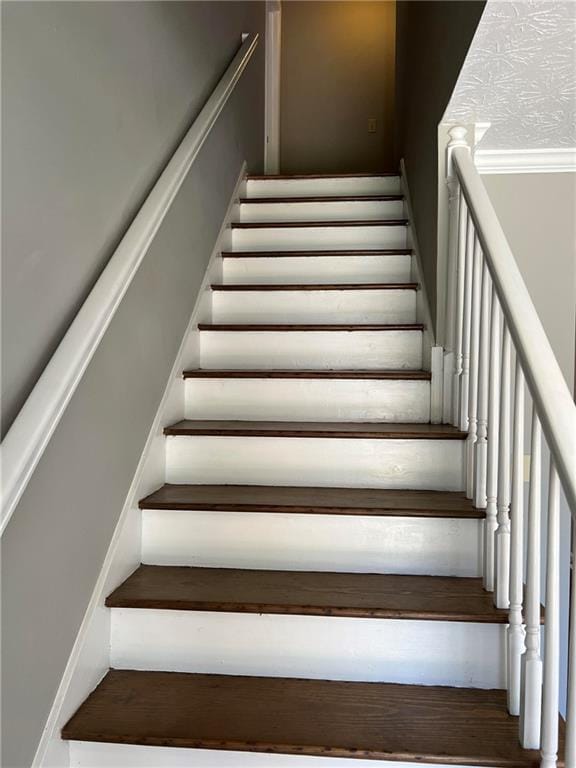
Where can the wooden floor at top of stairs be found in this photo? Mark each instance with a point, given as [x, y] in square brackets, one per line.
[328, 429]
[308, 593]
[262, 373]
[315, 253]
[424, 724]
[314, 501]
[323, 223]
[324, 199]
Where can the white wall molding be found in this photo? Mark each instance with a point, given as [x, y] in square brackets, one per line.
[89, 659]
[561, 160]
[34, 426]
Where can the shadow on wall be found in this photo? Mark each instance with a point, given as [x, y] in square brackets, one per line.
[337, 76]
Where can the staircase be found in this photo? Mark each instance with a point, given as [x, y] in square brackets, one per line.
[310, 580]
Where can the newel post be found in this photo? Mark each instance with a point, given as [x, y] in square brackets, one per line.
[455, 205]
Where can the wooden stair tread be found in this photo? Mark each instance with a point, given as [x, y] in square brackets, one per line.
[331, 501]
[360, 595]
[314, 286]
[316, 253]
[324, 199]
[287, 177]
[304, 327]
[340, 429]
[325, 223]
[263, 373]
[426, 724]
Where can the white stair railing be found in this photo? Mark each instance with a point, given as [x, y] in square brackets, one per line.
[495, 349]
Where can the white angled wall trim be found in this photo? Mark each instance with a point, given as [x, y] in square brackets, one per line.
[561, 160]
[31, 431]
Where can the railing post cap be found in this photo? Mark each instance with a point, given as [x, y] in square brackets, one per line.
[458, 135]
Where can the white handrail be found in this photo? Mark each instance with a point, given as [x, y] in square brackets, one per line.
[546, 383]
[32, 429]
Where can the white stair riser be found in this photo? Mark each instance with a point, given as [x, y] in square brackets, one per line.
[318, 269]
[318, 238]
[316, 350]
[410, 464]
[346, 306]
[93, 755]
[350, 210]
[308, 400]
[302, 542]
[324, 187]
[316, 647]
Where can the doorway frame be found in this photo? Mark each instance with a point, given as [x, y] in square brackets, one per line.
[272, 87]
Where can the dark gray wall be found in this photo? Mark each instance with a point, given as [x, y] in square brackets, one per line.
[115, 86]
[337, 71]
[94, 99]
[432, 39]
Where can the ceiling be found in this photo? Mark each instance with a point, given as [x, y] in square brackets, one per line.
[520, 76]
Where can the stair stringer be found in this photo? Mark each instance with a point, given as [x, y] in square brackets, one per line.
[89, 659]
[431, 354]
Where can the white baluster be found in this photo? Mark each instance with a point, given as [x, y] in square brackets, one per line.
[473, 389]
[457, 139]
[515, 630]
[481, 447]
[502, 591]
[531, 694]
[466, 323]
[552, 628]
[492, 452]
[570, 754]
[463, 220]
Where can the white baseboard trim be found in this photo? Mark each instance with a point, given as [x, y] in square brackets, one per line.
[562, 160]
[90, 656]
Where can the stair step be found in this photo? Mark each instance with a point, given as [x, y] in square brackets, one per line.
[288, 374]
[361, 430]
[359, 595]
[317, 253]
[306, 303]
[318, 224]
[323, 199]
[315, 327]
[314, 235]
[315, 287]
[314, 267]
[423, 724]
[312, 501]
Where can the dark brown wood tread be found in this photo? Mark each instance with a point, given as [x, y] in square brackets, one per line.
[271, 499]
[324, 199]
[308, 593]
[287, 177]
[340, 429]
[312, 254]
[265, 287]
[379, 721]
[302, 374]
[326, 223]
[279, 327]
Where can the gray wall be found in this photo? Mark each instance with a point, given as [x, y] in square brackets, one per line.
[537, 214]
[98, 94]
[432, 40]
[94, 98]
[337, 71]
